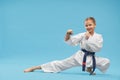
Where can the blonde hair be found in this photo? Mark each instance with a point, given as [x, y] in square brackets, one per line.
[91, 18]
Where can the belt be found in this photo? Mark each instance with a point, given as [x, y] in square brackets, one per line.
[84, 60]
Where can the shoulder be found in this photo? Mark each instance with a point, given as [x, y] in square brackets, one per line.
[97, 35]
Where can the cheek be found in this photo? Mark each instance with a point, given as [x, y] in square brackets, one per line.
[92, 27]
[86, 28]
[89, 27]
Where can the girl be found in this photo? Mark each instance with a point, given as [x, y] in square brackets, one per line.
[90, 43]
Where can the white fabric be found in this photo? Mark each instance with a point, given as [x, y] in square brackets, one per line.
[93, 44]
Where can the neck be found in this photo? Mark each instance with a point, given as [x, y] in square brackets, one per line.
[91, 33]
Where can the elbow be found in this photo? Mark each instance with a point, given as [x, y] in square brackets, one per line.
[69, 42]
[98, 48]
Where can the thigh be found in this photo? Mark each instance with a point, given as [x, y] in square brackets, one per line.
[75, 59]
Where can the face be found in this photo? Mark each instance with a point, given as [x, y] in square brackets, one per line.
[90, 25]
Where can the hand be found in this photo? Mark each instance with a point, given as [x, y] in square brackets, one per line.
[67, 36]
[87, 35]
[70, 31]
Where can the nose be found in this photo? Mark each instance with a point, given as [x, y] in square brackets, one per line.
[87, 27]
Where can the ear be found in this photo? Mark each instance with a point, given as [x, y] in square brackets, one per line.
[95, 25]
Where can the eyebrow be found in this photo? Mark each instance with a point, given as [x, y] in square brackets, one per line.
[88, 24]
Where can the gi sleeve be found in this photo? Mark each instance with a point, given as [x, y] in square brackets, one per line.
[75, 40]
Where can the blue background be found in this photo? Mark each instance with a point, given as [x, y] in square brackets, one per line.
[32, 33]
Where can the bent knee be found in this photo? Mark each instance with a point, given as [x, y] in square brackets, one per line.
[107, 61]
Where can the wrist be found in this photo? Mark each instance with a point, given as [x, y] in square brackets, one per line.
[68, 33]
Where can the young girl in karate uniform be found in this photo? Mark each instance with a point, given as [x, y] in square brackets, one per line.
[90, 42]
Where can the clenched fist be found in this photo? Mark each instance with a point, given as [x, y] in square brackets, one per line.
[67, 36]
[87, 35]
[70, 31]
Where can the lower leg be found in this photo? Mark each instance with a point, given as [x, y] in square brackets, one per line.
[31, 69]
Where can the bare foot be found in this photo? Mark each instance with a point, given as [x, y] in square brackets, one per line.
[32, 69]
[89, 69]
[29, 70]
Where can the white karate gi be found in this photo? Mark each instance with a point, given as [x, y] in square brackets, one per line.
[93, 44]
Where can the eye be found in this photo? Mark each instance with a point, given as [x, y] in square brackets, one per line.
[86, 25]
[89, 24]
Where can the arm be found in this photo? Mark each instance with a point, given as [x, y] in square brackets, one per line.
[73, 40]
[96, 43]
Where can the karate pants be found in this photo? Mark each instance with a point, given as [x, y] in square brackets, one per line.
[74, 61]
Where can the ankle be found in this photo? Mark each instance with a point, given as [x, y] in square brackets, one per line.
[37, 67]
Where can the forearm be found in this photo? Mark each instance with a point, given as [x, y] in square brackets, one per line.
[95, 46]
[67, 36]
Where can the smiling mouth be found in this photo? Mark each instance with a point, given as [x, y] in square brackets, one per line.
[88, 29]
